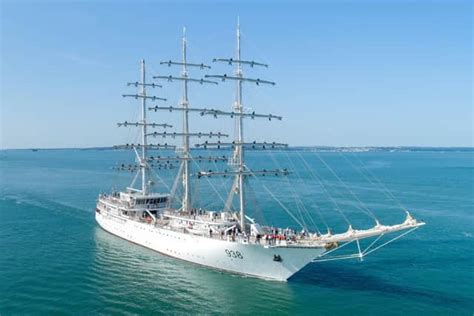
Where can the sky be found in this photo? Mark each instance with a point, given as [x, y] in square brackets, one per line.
[347, 73]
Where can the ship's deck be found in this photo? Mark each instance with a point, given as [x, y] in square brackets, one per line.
[199, 222]
[224, 226]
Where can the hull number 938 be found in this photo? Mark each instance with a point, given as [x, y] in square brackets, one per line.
[234, 254]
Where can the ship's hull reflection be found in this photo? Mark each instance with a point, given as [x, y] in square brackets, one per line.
[156, 280]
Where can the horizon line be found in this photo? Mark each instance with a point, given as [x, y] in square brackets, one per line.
[295, 146]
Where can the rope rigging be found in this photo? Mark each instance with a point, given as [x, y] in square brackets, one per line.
[307, 191]
[362, 207]
[253, 199]
[383, 187]
[210, 183]
[277, 200]
[321, 184]
[300, 206]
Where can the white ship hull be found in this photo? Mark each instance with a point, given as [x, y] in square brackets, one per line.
[248, 259]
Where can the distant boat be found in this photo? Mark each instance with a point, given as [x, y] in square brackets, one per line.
[34, 150]
[225, 239]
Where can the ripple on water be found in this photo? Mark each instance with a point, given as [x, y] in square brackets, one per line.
[55, 260]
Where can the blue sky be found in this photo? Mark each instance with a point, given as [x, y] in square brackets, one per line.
[348, 73]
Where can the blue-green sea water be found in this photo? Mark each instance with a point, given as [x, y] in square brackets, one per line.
[54, 259]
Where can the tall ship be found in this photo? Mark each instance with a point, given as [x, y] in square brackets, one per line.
[165, 219]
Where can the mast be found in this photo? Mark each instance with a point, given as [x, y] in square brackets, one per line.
[240, 134]
[142, 159]
[186, 193]
[143, 164]
[241, 171]
[184, 107]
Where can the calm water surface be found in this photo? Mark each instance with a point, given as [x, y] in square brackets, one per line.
[54, 259]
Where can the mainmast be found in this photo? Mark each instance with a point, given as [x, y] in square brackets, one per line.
[185, 103]
[185, 150]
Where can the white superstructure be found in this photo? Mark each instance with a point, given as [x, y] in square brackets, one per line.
[225, 239]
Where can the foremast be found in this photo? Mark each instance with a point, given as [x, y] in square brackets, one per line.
[239, 150]
[239, 144]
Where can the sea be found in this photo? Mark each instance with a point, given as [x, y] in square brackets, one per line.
[55, 259]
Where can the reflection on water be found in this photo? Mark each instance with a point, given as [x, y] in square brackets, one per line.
[156, 282]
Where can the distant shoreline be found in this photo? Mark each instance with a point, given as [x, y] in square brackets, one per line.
[300, 148]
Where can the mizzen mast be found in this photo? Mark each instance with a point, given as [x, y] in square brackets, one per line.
[142, 95]
[143, 165]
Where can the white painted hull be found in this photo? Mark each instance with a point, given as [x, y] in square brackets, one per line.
[254, 260]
